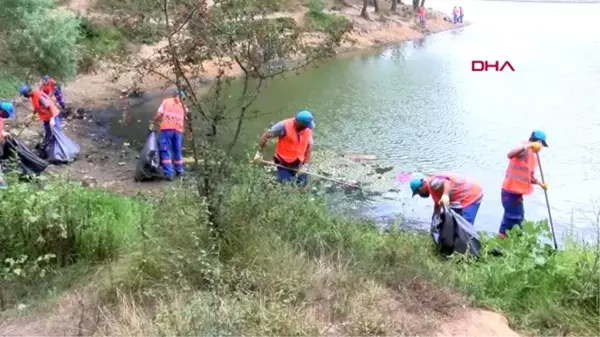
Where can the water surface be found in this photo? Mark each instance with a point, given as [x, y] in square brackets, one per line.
[419, 107]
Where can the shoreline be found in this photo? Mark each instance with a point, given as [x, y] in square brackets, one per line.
[109, 161]
[109, 82]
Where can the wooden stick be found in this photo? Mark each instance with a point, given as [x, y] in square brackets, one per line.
[312, 174]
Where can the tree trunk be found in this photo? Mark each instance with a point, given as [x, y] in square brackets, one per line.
[422, 3]
[364, 12]
[394, 5]
[376, 5]
[415, 5]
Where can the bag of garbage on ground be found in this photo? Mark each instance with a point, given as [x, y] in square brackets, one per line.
[452, 233]
[59, 149]
[28, 162]
[148, 166]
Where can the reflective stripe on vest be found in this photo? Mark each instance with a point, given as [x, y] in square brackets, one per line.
[173, 115]
[463, 191]
[45, 114]
[293, 145]
[518, 174]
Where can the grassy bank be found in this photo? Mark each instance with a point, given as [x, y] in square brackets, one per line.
[284, 265]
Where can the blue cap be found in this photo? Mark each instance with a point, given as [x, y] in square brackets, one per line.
[9, 108]
[24, 89]
[304, 117]
[181, 93]
[45, 78]
[415, 184]
[539, 135]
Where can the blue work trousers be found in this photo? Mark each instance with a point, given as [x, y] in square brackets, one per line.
[59, 98]
[454, 18]
[171, 141]
[285, 175]
[514, 211]
[469, 213]
[48, 129]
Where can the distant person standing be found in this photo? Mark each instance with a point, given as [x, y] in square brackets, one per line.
[421, 15]
[455, 15]
[461, 14]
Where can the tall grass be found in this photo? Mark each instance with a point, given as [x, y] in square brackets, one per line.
[286, 265]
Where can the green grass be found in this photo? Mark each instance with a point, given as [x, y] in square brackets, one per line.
[317, 20]
[286, 265]
[99, 41]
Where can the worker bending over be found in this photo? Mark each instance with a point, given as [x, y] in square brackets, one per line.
[293, 149]
[51, 88]
[171, 114]
[519, 180]
[459, 193]
[44, 107]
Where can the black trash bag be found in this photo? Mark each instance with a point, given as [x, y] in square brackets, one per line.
[148, 166]
[29, 163]
[59, 149]
[452, 233]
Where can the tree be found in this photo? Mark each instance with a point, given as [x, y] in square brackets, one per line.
[376, 5]
[37, 39]
[394, 5]
[230, 34]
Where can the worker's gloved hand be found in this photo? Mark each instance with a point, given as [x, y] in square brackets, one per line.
[544, 186]
[445, 200]
[52, 122]
[151, 126]
[303, 169]
[5, 134]
[535, 146]
[258, 158]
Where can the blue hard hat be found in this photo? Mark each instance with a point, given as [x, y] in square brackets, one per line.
[415, 184]
[45, 78]
[539, 135]
[181, 93]
[9, 108]
[24, 89]
[304, 117]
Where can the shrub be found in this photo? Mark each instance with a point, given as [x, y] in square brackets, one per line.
[39, 39]
[98, 41]
[324, 22]
[60, 223]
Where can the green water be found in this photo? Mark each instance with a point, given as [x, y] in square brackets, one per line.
[418, 107]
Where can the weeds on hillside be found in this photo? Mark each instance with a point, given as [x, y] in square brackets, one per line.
[317, 20]
[547, 292]
[51, 223]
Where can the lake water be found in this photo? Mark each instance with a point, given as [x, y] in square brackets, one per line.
[420, 108]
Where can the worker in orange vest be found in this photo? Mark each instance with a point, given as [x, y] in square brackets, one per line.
[44, 107]
[51, 88]
[293, 149]
[171, 115]
[461, 194]
[519, 180]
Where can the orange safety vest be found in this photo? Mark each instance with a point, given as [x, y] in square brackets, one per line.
[45, 114]
[173, 115]
[48, 88]
[293, 145]
[1, 124]
[463, 191]
[519, 172]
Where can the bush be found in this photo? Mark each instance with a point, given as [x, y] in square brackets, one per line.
[320, 21]
[98, 41]
[40, 39]
[62, 223]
